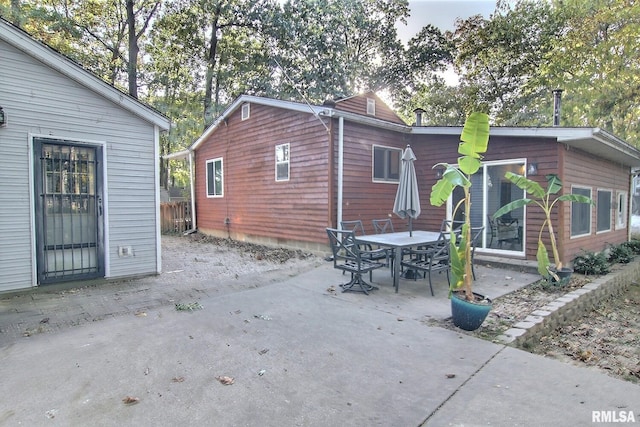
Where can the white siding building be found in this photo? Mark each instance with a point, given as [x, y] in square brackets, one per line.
[79, 171]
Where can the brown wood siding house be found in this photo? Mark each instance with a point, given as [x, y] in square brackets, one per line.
[331, 167]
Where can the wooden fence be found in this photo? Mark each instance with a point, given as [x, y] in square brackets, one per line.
[175, 217]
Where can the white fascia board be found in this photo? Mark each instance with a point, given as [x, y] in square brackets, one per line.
[64, 65]
[358, 118]
[591, 140]
[178, 155]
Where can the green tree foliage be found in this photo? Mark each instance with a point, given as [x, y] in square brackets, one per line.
[195, 56]
[497, 57]
[596, 63]
[94, 33]
[331, 49]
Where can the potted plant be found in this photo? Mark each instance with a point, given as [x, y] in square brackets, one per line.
[544, 200]
[468, 309]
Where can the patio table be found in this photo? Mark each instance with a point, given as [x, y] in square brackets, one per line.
[398, 241]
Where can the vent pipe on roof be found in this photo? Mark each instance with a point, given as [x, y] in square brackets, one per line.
[329, 103]
[557, 98]
[418, 112]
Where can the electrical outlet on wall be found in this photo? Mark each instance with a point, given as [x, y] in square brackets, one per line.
[125, 251]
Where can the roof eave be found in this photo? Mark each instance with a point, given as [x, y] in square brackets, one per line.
[591, 140]
[43, 53]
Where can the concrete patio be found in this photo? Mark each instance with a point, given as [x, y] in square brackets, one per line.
[300, 354]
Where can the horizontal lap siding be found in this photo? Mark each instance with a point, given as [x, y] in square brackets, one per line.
[257, 206]
[44, 102]
[544, 152]
[358, 105]
[589, 171]
[431, 150]
[362, 198]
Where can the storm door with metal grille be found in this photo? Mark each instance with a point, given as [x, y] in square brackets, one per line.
[68, 211]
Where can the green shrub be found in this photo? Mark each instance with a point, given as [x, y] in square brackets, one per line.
[634, 245]
[621, 254]
[591, 263]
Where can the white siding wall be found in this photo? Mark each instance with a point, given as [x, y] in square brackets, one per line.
[42, 101]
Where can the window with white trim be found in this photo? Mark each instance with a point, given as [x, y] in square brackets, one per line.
[371, 106]
[386, 164]
[621, 210]
[603, 211]
[215, 178]
[282, 162]
[246, 110]
[580, 213]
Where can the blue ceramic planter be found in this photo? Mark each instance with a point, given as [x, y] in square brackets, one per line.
[469, 315]
[564, 275]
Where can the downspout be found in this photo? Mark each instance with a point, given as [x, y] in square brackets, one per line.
[340, 167]
[193, 193]
[634, 172]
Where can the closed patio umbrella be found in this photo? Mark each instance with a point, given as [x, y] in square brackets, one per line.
[407, 202]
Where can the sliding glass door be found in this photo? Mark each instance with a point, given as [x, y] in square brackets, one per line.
[490, 191]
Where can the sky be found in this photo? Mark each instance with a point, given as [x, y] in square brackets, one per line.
[442, 14]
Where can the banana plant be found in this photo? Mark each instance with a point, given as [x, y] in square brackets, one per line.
[474, 142]
[546, 201]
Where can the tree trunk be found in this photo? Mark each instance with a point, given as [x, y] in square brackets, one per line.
[211, 65]
[132, 66]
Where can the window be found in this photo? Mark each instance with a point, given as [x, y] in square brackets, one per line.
[603, 219]
[621, 210]
[371, 106]
[214, 178]
[386, 164]
[282, 162]
[580, 214]
[246, 109]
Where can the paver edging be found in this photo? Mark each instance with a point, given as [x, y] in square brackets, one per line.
[569, 307]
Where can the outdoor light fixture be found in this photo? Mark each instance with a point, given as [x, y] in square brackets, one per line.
[533, 169]
[3, 118]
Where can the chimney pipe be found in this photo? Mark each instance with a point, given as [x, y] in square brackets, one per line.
[557, 100]
[418, 112]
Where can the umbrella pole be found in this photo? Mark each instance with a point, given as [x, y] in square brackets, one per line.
[410, 227]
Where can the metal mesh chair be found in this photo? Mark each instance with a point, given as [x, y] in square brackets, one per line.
[383, 226]
[349, 257]
[434, 259]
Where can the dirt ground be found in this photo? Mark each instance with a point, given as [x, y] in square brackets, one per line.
[607, 338]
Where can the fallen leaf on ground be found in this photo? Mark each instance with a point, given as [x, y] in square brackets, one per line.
[130, 400]
[225, 380]
[177, 379]
[189, 307]
[451, 375]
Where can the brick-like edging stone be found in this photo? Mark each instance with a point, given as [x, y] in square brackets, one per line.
[569, 307]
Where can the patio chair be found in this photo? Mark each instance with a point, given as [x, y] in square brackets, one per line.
[355, 225]
[349, 257]
[504, 230]
[358, 229]
[383, 225]
[433, 259]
